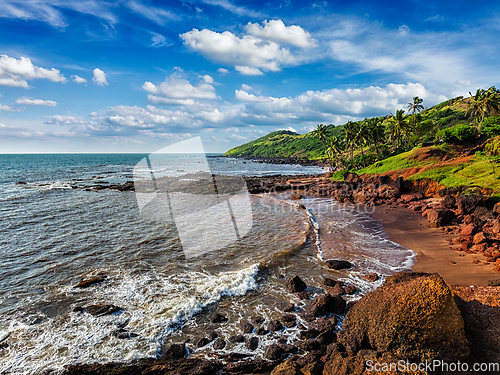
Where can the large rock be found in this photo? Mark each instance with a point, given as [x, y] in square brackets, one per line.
[295, 284]
[448, 202]
[338, 264]
[413, 315]
[273, 352]
[399, 186]
[438, 218]
[466, 204]
[326, 304]
[175, 351]
[351, 178]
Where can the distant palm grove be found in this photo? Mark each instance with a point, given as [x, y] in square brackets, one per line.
[357, 144]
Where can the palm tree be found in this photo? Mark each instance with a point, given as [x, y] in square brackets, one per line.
[333, 151]
[416, 105]
[483, 103]
[397, 126]
[361, 139]
[375, 131]
[320, 132]
[350, 137]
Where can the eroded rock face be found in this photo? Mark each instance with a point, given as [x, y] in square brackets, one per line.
[411, 315]
[438, 218]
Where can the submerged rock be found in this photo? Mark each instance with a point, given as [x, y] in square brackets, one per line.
[217, 318]
[86, 283]
[219, 344]
[101, 310]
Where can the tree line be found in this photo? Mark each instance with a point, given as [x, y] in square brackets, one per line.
[363, 142]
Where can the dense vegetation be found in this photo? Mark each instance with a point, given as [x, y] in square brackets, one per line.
[360, 143]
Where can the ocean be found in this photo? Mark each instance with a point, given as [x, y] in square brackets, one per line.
[57, 230]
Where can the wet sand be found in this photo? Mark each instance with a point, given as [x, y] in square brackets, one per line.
[433, 248]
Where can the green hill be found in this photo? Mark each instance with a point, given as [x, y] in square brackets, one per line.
[451, 114]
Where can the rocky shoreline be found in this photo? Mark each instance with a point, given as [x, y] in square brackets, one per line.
[413, 317]
[284, 160]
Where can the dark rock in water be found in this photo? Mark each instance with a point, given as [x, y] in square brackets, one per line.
[372, 277]
[124, 334]
[217, 318]
[310, 333]
[274, 326]
[253, 343]
[336, 291]
[212, 336]
[203, 342]
[219, 344]
[273, 352]
[324, 324]
[338, 264]
[261, 331]
[326, 304]
[258, 320]
[248, 328]
[412, 313]
[238, 338]
[295, 285]
[448, 202]
[288, 318]
[303, 295]
[330, 282]
[101, 310]
[350, 289]
[21, 183]
[287, 348]
[289, 308]
[175, 351]
[78, 309]
[86, 283]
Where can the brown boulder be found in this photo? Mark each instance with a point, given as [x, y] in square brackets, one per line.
[496, 226]
[496, 208]
[372, 277]
[468, 230]
[438, 218]
[448, 202]
[336, 291]
[466, 204]
[412, 314]
[326, 304]
[479, 238]
[287, 368]
[338, 264]
[295, 284]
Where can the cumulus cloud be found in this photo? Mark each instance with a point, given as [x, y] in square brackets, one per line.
[223, 71]
[78, 79]
[178, 90]
[245, 87]
[276, 31]
[7, 108]
[244, 96]
[99, 77]
[29, 101]
[248, 54]
[16, 72]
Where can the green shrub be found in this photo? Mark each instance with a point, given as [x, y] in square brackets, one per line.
[493, 146]
[491, 126]
[456, 134]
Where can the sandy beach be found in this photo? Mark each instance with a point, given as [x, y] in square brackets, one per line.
[435, 252]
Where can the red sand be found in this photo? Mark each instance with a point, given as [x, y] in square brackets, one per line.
[432, 246]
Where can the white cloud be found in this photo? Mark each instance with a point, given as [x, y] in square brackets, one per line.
[29, 101]
[240, 11]
[99, 77]
[65, 120]
[78, 79]
[7, 108]
[246, 97]
[248, 54]
[276, 31]
[158, 15]
[16, 72]
[223, 71]
[159, 40]
[49, 10]
[178, 90]
[246, 87]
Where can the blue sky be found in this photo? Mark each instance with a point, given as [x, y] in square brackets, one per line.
[138, 75]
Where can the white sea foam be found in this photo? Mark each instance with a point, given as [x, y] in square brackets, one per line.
[154, 306]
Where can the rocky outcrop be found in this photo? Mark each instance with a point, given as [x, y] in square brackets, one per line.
[338, 264]
[295, 285]
[326, 304]
[412, 315]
